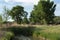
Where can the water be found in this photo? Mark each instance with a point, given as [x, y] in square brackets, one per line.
[22, 38]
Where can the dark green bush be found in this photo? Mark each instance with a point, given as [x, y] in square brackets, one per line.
[26, 31]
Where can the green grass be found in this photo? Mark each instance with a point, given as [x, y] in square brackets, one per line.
[49, 32]
[44, 31]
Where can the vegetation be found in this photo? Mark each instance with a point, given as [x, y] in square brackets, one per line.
[6, 13]
[57, 19]
[1, 19]
[7, 36]
[18, 31]
[43, 12]
[37, 33]
[50, 32]
[18, 13]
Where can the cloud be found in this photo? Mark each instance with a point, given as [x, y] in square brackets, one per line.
[52, 0]
[28, 4]
[57, 12]
[24, 1]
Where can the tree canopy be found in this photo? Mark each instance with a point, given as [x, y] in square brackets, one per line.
[18, 13]
[43, 13]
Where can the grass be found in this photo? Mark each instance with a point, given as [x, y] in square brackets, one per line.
[42, 32]
[50, 32]
[18, 31]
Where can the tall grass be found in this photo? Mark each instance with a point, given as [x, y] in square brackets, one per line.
[49, 32]
[37, 33]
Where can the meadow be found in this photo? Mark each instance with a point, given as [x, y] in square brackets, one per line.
[49, 32]
[36, 32]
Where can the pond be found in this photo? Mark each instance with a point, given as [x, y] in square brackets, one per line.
[22, 38]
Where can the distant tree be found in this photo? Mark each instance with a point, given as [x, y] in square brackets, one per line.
[1, 19]
[6, 13]
[25, 19]
[57, 19]
[43, 12]
[18, 13]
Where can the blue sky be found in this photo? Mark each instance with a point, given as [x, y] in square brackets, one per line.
[27, 4]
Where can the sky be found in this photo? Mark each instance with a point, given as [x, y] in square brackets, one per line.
[27, 4]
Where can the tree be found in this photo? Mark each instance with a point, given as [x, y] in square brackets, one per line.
[6, 14]
[57, 19]
[43, 12]
[1, 19]
[18, 13]
[25, 19]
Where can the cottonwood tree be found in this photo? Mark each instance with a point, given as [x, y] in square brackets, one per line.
[43, 12]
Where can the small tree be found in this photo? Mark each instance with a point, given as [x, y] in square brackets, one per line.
[57, 19]
[17, 13]
[6, 13]
[1, 19]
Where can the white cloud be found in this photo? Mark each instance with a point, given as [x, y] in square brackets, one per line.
[57, 12]
[27, 3]
[51, 0]
[7, 0]
[24, 1]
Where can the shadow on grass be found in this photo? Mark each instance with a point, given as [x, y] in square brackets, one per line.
[25, 31]
[22, 31]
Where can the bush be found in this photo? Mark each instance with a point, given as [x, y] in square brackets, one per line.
[25, 31]
[8, 36]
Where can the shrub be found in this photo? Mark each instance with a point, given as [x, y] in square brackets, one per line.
[8, 36]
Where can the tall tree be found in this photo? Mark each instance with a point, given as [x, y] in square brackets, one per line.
[18, 13]
[43, 12]
[6, 14]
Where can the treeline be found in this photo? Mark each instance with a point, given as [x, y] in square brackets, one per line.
[43, 13]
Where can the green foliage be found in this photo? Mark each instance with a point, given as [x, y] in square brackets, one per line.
[57, 19]
[8, 36]
[18, 13]
[1, 19]
[48, 32]
[43, 32]
[25, 31]
[51, 33]
[17, 32]
[43, 12]
[25, 20]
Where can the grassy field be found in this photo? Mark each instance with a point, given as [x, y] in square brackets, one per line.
[38, 32]
[49, 32]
